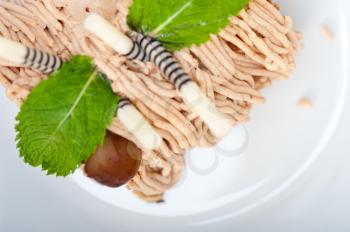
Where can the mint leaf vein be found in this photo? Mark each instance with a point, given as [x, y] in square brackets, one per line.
[65, 117]
[182, 23]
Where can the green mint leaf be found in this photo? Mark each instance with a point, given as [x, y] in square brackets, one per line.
[65, 117]
[182, 23]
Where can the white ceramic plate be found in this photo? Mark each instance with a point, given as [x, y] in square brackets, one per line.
[283, 140]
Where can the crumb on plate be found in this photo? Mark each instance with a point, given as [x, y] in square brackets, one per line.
[326, 32]
[305, 103]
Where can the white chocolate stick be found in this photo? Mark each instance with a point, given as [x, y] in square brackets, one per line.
[200, 104]
[136, 124]
[20, 55]
[131, 118]
[193, 96]
[12, 51]
[139, 127]
[148, 49]
[109, 34]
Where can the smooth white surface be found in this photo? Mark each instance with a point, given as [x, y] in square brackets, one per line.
[136, 124]
[109, 34]
[294, 175]
[12, 51]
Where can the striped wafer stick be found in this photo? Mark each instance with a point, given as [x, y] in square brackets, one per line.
[149, 49]
[28, 57]
[46, 63]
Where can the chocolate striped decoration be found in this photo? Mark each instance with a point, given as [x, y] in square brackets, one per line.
[155, 52]
[123, 102]
[42, 61]
[136, 53]
[47, 63]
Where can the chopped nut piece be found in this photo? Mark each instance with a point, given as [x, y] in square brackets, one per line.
[304, 103]
[327, 33]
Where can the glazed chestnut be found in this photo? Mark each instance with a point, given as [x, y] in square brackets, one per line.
[115, 162]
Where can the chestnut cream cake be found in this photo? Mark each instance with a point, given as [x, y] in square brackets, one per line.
[139, 88]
